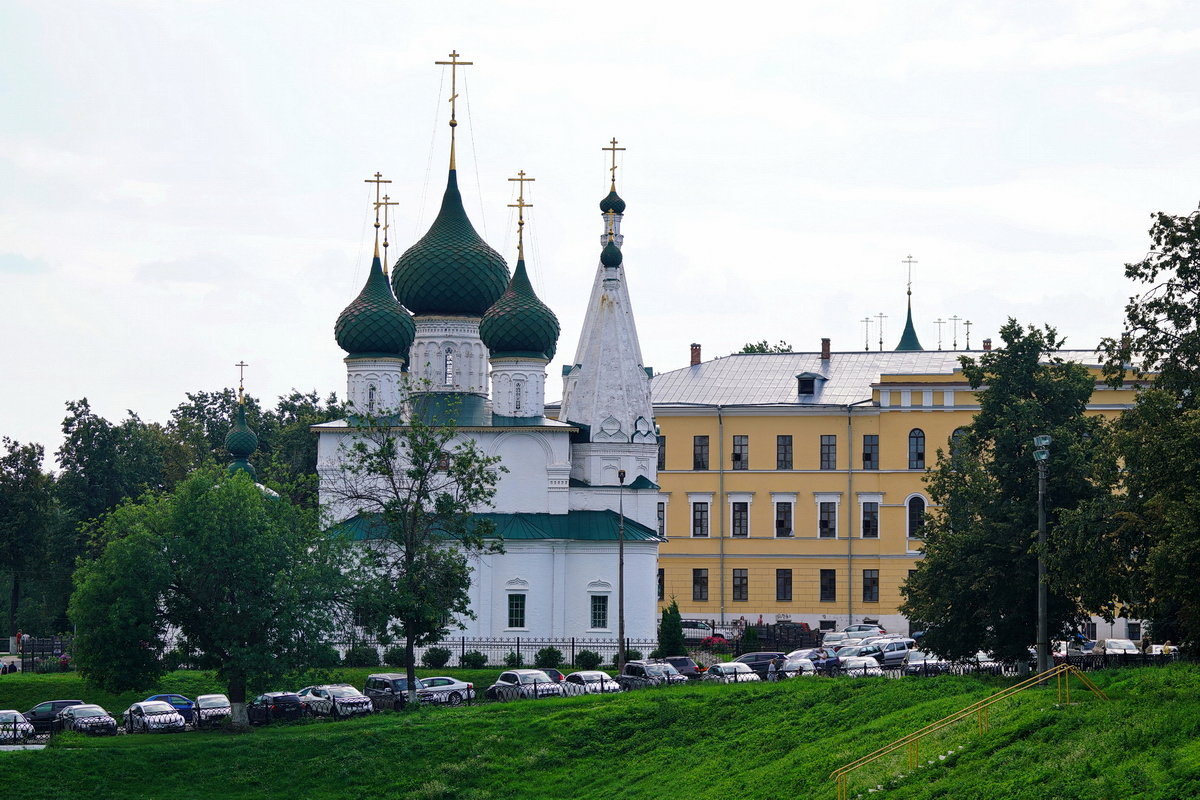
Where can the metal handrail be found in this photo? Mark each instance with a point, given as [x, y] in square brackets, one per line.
[1061, 673]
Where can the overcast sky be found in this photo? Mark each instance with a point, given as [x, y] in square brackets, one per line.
[181, 183]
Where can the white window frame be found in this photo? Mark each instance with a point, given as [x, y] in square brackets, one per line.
[863, 499]
[836, 499]
[693, 499]
[790, 499]
[741, 497]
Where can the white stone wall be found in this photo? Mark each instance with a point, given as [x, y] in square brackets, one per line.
[457, 337]
[383, 375]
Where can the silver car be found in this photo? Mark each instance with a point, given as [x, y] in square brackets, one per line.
[731, 672]
[153, 716]
[591, 681]
[14, 728]
[335, 700]
[451, 691]
[212, 710]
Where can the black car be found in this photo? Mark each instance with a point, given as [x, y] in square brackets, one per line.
[273, 706]
[90, 719]
[686, 667]
[42, 716]
[760, 661]
[389, 691]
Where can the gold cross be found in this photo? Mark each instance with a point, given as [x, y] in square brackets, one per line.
[454, 64]
[520, 206]
[241, 365]
[613, 169]
[611, 215]
[386, 224]
[910, 261]
[378, 179]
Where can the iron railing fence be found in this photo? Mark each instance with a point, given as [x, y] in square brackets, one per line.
[503, 653]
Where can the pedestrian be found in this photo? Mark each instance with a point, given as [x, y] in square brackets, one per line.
[771, 667]
[1144, 645]
[1168, 648]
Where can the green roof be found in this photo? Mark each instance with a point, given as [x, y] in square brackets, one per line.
[585, 526]
[375, 323]
[451, 270]
[519, 324]
[241, 442]
[613, 203]
[909, 341]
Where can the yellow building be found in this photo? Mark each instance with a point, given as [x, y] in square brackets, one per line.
[792, 482]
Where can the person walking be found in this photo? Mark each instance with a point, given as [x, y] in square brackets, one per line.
[772, 670]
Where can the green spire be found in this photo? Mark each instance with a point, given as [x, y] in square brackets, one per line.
[519, 324]
[909, 341]
[241, 442]
[375, 324]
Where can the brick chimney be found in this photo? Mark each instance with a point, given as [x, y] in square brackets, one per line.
[987, 344]
[695, 354]
[824, 349]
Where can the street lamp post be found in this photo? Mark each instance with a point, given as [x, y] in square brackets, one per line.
[621, 573]
[1042, 456]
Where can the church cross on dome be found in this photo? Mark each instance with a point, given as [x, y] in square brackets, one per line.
[454, 64]
[377, 180]
[613, 169]
[909, 261]
[385, 202]
[520, 206]
[241, 365]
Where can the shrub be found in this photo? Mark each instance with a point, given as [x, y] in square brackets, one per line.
[473, 660]
[436, 657]
[631, 655]
[715, 644]
[325, 656]
[588, 659]
[396, 656]
[361, 655]
[548, 657]
[658, 652]
[513, 660]
[670, 631]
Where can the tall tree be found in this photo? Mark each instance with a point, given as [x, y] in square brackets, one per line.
[416, 488]
[26, 505]
[670, 631]
[976, 586]
[245, 576]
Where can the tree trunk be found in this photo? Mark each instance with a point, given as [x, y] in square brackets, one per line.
[15, 597]
[237, 704]
[411, 671]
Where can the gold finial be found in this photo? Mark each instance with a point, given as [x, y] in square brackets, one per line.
[613, 169]
[241, 365]
[611, 224]
[520, 206]
[378, 179]
[386, 224]
[454, 64]
[910, 261]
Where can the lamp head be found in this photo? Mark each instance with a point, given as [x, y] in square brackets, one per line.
[1042, 441]
[621, 475]
[1041, 455]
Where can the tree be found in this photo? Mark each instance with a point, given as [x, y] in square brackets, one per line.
[26, 506]
[245, 576]
[1163, 323]
[416, 487]
[670, 631]
[763, 347]
[976, 587]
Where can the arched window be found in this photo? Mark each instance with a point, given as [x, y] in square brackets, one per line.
[371, 399]
[916, 517]
[449, 381]
[956, 442]
[916, 449]
[518, 393]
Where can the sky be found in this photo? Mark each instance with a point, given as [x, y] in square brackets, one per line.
[182, 183]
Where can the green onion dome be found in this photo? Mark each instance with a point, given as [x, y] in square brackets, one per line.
[613, 204]
[519, 324]
[450, 270]
[610, 256]
[241, 442]
[375, 323]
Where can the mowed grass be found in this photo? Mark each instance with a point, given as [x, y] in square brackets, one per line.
[697, 742]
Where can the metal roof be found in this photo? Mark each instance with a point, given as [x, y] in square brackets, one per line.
[596, 526]
[770, 378]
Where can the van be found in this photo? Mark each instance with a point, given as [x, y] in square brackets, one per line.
[696, 630]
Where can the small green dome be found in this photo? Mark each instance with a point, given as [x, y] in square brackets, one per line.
[613, 203]
[241, 442]
[375, 323]
[450, 270]
[519, 324]
[610, 256]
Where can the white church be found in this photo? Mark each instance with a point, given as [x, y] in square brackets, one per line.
[468, 332]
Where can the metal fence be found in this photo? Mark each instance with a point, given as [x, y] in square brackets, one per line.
[515, 652]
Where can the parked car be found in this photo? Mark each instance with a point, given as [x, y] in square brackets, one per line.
[823, 658]
[919, 662]
[731, 672]
[42, 716]
[451, 691]
[153, 716]
[87, 718]
[759, 661]
[389, 690]
[271, 706]
[1117, 647]
[833, 638]
[1080, 647]
[337, 700]
[894, 651]
[797, 668]
[212, 710]
[985, 663]
[873, 651]
[592, 681]
[686, 667]
[644, 674]
[861, 667]
[554, 674]
[696, 630]
[185, 707]
[865, 629]
[14, 728]
[516, 684]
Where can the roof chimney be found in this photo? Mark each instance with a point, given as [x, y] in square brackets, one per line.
[695, 354]
[824, 349]
[987, 344]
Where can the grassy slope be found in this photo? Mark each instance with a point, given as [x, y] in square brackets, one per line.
[699, 742]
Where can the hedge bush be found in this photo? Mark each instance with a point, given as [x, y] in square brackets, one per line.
[548, 657]
[361, 655]
[588, 659]
[513, 660]
[436, 657]
[396, 656]
[473, 659]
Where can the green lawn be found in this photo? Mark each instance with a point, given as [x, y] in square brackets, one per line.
[696, 742]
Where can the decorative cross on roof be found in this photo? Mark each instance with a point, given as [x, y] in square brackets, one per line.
[613, 169]
[241, 365]
[520, 206]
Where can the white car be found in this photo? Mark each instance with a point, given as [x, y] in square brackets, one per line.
[450, 691]
[797, 668]
[861, 667]
[153, 716]
[514, 684]
[335, 700]
[731, 672]
[14, 728]
[591, 681]
[212, 709]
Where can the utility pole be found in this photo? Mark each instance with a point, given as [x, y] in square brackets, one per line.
[621, 574]
[1042, 457]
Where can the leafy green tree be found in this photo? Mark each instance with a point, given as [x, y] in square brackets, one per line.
[245, 576]
[976, 587]
[420, 485]
[670, 631]
[26, 507]
[764, 347]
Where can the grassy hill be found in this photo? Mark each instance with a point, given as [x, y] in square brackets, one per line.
[695, 742]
